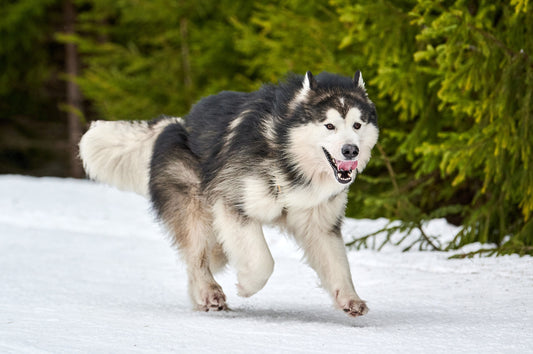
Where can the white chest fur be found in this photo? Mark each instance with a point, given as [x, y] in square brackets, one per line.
[260, 202]
[266, 203]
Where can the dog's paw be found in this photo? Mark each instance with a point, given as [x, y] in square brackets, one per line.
[211, 299]
[250, 282]
[247, 289]
[249, 285]
[355, 308]
[352, 305]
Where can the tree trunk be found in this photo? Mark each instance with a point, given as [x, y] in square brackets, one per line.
[74, 98]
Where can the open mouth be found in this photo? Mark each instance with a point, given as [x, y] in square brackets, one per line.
[342, 169]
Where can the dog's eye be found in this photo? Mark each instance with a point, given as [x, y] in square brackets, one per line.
[356, 125]
[330, 126]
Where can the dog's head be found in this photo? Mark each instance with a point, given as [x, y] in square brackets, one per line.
[334, 126]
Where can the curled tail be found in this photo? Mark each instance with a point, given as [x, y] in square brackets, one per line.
[119, 152]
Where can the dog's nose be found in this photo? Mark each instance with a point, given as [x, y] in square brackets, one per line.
[350, 151]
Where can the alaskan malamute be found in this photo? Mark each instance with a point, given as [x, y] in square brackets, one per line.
[284, 155]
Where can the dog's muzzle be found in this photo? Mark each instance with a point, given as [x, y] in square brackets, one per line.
[343, 170]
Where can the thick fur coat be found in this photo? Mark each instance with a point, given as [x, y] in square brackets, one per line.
[283, 155]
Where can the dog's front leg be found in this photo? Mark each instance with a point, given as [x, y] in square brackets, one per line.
[244, 244]
[325, 252]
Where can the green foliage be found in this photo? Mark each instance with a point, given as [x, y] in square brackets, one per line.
[23, 27]
[459, 76]
[30, 122]
[452, 81]
[284, 36]
[146, 58]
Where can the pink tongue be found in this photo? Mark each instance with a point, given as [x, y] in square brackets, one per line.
[347, 165]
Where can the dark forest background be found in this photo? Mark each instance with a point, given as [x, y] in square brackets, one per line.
[452, 81]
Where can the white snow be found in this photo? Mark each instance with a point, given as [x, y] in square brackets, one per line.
[84, 268]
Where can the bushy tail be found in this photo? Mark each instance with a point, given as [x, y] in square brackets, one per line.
[119, 152]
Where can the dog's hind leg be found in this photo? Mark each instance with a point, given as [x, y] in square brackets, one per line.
[198, 249]
[188, 219]
[217, 258]
[244, 244]
[177, 198]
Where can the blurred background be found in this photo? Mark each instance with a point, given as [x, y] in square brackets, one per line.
[452, 82]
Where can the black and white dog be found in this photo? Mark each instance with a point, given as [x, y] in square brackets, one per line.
[283, 155]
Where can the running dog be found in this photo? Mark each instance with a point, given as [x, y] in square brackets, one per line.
[284, 155]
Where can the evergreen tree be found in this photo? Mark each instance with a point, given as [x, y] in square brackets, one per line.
[452, 81]
[157, 57]
[32, 133]
[459, 78]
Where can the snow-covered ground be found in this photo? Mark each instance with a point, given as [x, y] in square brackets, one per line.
[84, 268]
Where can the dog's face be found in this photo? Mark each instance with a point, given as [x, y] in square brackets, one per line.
[340, 128]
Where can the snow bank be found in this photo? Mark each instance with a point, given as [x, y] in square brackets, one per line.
[84, 268]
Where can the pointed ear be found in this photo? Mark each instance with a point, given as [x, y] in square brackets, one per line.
[309, 82]
[358, 80]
